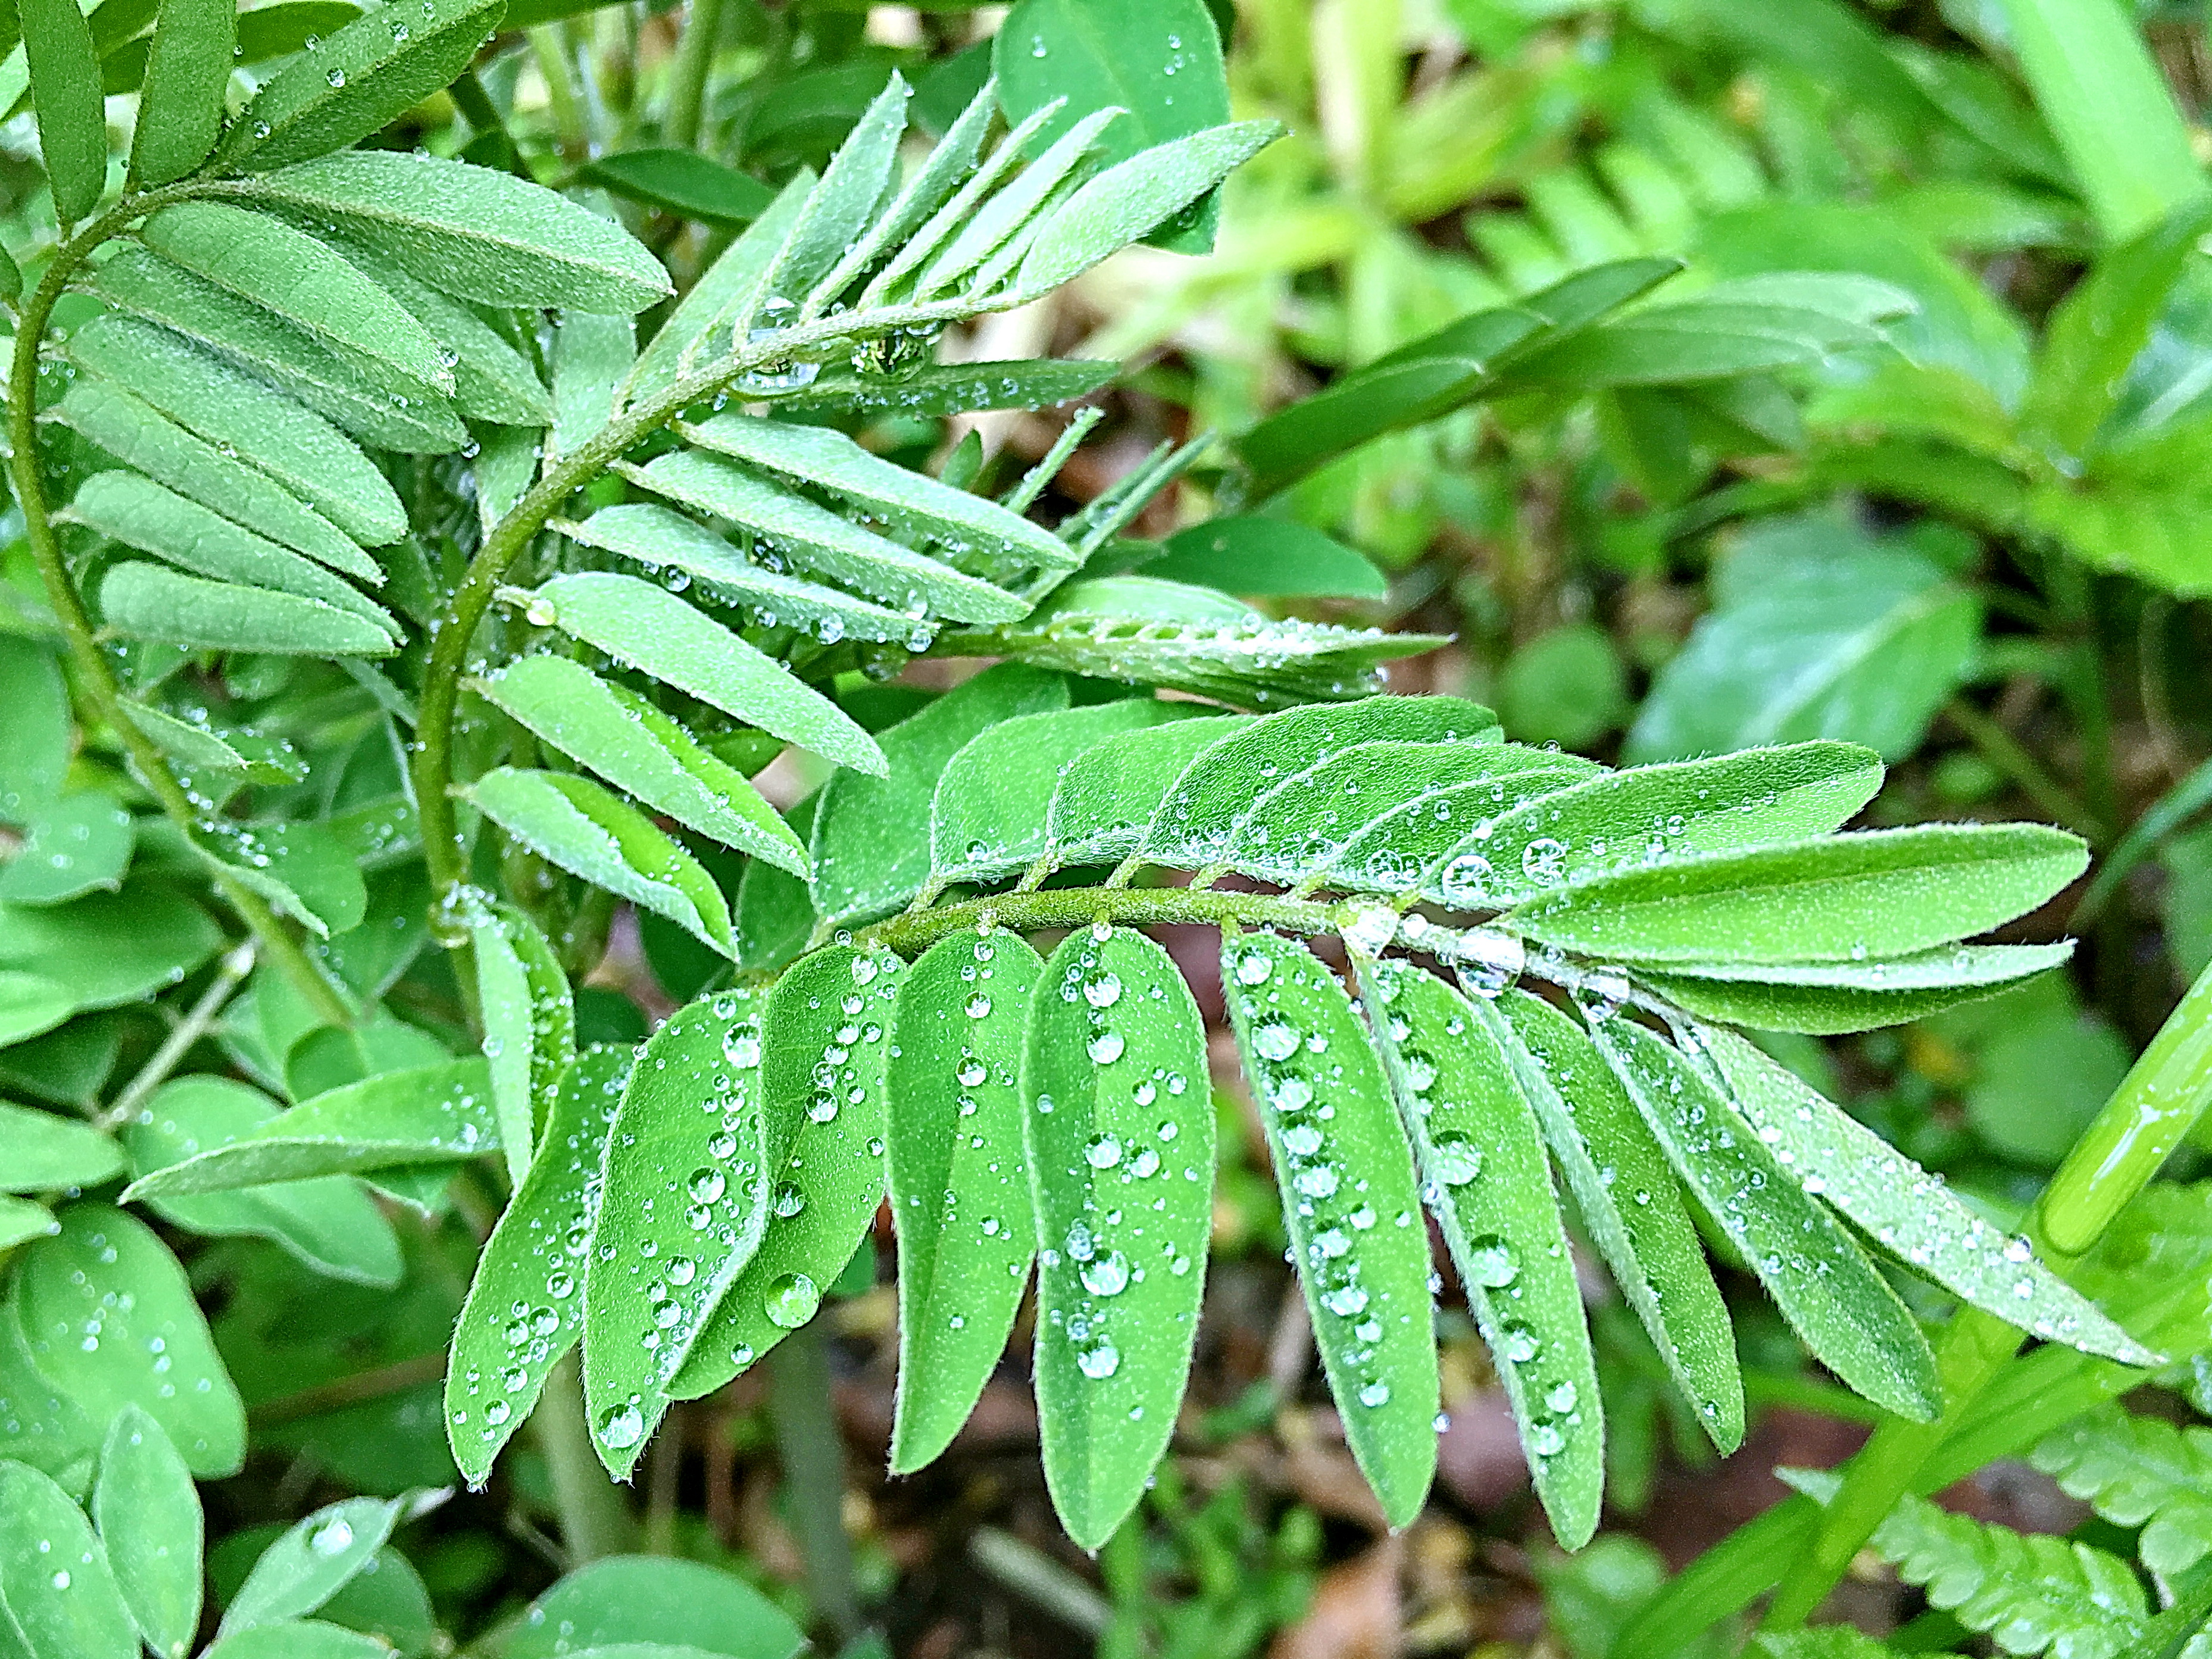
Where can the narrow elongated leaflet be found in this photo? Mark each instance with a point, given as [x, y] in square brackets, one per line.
[106, 1276]
[1629, 1201]
[959, 1178]
[301, 868]
[1199, 819]
[631, 744]
[576, 824]
[1822, 1281]
[824, 1051]
[1432, 845]
[535, 1258]
[45, 1152]
[504, 466]
[265, 262]
[987, 818]
[685, 1201]
[1831, 1155]
[180, 103]
[492, 381]
[1120, 1140]
[1826, 998]
[482, 235]
[153, 602]
[529, 1023]
[871, 841]
[58, 1584]
[1882, 893]
[1010, 208]
[699, 322]
[591, 356]
[856, 182]
[660, 539]
[245, 416]
[148, 1512]
[939, 389]
[812, 537]
[330, 1223]
[914, 500]
[1104, 797]
[134, 432]
[651, 630]
[65, 94]
[251, 756]
[1131, 198]
[957, 209]
[1488, 1180]
[311, 1561]
[427, 1115]
[1349, 1203]
[353, 83]
[1649, 815]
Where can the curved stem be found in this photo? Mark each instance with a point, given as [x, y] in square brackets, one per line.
[95, 676]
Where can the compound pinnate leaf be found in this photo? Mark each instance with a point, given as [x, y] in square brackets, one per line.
[356, 80]
[651, 630]
[1818, 1276]
[987, 818]
[148, 1516]
[1487, 1179]
[482, 235]
[312, 1561]
[110, 1321]
[685, 1202]
[701, 322]
[1827, 997]
[959, 1178]
[858, 178]
[56, 1577]
[1847, 898]
[1893, 1200]
[993, 237]
[570, 821]
[1629, 1201]
[2135, 1470]
[631, 744]
[1349, 1203]
[1120, 1139]
[535, 1258]
[825, 1045]
[143, 601]
[1105, 796]
[45, 1152]
[1108, 213]
[181, 105]
[65, 93]
[427, 1115]
[529, 1020]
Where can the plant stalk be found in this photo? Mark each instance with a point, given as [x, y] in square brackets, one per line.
[595, 1521]
[813, 1452]
[687, 83]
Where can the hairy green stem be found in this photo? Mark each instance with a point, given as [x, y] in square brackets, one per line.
[813, 1452]
[2157, 1104]
[95, 674]
[687, 81]
[595, 1520]
[190, 1030]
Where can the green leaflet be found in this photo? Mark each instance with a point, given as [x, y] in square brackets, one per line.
[2137, 1469]
[504, 466]
[812, 537]
[484, 235]
[31, 1004]
[56, 1576]
[148, 1515]
[47, 1152]
[492, 381]
[574, 823]
[302, 1639]
[66, 96]
[136, 432]
[701, 318]
[536, 1256]
[376, 406]
[21, 1220]
[652, 1599]
[827, 1138]
[1481, 1156]
[180, 104]
[130, 509]
[529, 1019]
[682, 181]
[871, 841]
[1005, 213]
[1120, 1140]
[774, 913]
[1826, 998]
[427, 1115]
[247, 757]
[55, 1435]
[685, 1201]
[987, 818]
[1895, 1202]
[1103, 798]
[632, 744]
[310, 1562]
[592, 355]
[77, 844]
[939, 389]
[1836, 1298]
[661, 539]
[915, 502]
[329, 1224]
[1133, 196]
[646, 627]
[1198, 821]
[289, 274]
[355, 82]
[153, 602]
[958, 209]
[1881, 893]
[106, 1276]
[302, 869]
[1255, 556]
[1349, 1204]
[1417, 847]
[858, 178]
[107, 949]
[35, 740]
[1648, 1242]
[959, 1178]
[1647, 815]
